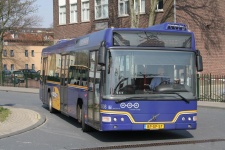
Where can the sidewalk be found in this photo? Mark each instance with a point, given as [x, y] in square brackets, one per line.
[22, 120]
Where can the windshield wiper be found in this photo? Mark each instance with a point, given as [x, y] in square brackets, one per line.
[183, 98]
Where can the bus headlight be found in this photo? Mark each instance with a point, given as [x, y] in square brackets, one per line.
[195, 118]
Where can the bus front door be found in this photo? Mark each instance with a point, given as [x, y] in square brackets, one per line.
[93, 92]
[44, 87]
[64, 84]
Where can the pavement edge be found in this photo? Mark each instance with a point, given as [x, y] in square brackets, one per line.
[41, 121]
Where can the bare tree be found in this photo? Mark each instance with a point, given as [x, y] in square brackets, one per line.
[15, 14]
[206, 16]
[134, 14]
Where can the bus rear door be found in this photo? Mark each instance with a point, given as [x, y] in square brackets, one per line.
[44, 87]
[64, 84]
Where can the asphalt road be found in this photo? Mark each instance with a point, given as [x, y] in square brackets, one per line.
[64, 133]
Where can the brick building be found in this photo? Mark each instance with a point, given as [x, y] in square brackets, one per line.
[73, 18]
[22, 49]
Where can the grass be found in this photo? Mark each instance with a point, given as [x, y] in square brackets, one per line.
[4, 113]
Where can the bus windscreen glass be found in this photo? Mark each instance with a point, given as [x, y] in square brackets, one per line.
[141, 72]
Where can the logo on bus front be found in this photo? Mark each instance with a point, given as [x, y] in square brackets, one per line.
[129, 105]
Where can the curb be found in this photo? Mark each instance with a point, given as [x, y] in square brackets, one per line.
[37, 124]
[208, 104]
[19, 89]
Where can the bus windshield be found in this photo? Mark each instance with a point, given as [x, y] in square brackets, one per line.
[149, 71]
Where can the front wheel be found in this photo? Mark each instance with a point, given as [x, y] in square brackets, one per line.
[85, 127]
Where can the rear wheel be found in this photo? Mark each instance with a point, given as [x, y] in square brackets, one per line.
[79, 113]
[50, 108]
[85, 127]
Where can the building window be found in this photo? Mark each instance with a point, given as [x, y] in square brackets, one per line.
[62, 12]
[11, 53]
[32, 53]
[159, 6]
[5, 66]
[26, 53]
[12, 66]
[62, 15]
[33, 66]
[5, 53]
[141, 6]
[101, 9]
[85, 14]
[123, 7]
[73, 11]
[26, 66]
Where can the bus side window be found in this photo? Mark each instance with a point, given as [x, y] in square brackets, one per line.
[84, 76]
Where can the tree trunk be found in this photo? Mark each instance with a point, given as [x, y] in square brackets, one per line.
[152, 12]
[134, 17]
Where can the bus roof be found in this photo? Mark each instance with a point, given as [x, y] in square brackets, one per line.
[93, 40]
[170, 26]
[88, 41]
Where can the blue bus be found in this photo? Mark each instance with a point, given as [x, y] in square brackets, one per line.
[125, 79]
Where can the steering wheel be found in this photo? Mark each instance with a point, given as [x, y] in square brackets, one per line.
[164, 82]
[124, 79]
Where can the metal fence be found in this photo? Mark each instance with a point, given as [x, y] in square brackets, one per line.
[211, 87]
[9, 80]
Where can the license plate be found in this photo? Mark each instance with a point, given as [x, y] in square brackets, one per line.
[154, 126]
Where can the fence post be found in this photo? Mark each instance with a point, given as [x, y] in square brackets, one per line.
[204, 87]
[26, 80]
[198, 78]
[210, 86]
[3, 76]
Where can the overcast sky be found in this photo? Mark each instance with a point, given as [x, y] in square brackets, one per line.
[45, 11]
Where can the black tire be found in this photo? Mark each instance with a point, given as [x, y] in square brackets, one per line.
[79, 113]
[85, 127]
[50, 108]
